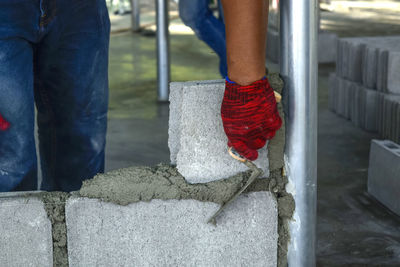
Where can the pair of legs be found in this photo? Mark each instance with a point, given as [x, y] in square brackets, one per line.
[54, 54]
[197, 15]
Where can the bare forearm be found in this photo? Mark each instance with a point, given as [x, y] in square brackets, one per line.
[246, 28]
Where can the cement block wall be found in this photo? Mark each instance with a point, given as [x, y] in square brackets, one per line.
[151, 216]
[384, 173]
[366, 88]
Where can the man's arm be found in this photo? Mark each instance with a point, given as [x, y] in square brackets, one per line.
[246, 29]
[249, 113]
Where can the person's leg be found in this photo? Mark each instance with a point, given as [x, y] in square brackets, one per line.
[197, 15]
[18, 166]
[72, 93]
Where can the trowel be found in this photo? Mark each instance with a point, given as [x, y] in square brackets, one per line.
[256, 172]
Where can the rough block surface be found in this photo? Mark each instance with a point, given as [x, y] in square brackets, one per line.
[172, 233]
[26, 237]
[198, 144]
[384, 173]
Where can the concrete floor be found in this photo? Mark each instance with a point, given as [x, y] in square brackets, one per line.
[353, 229]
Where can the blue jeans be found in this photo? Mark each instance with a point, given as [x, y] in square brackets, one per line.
[53, 53]
[197, 15]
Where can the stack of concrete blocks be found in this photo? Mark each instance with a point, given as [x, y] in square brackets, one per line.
[366, 87]
[384, 173]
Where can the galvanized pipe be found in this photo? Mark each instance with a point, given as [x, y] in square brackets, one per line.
[135, 16]
[163, 66]
[298, 31]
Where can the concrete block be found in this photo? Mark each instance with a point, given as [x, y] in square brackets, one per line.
[172, 233]
[370, 63]
[381, 117]
[202, 155]
[26, 235]
[383, 173]
[371, 106]
[327, 44]
[393, 77]
[339, 58]
[389, 116]
[273, 45]
[355, 73]
[332, 91]
[383, 59]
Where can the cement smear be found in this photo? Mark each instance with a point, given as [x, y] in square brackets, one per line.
[54, 204]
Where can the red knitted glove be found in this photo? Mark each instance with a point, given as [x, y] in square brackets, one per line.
[4, 125]
[250, 116]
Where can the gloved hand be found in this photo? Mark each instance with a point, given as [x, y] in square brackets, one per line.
[4, 125]
[250, 116]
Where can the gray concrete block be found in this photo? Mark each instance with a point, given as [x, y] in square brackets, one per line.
[327, 44]
[383, 59]
[172, 233]
[389, 116]
[370, 64]
[273, 45]
[25, 232]
[383, 173]
[332, 91]
[371, 106]
[202, 155]
[393, 77]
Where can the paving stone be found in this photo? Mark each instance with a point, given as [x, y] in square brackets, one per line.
[202, 154]
[383, 173]
[26, 235]
[172, 233]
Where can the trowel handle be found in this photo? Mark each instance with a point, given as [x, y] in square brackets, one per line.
[278, 97]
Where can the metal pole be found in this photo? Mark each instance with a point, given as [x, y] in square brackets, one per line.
[298, 31]
[162, 50]
[135, 19]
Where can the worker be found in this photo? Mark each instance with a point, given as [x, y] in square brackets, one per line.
[55, 53]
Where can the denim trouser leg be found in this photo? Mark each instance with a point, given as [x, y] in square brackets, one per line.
[18, 167]
[71, 90]
[57, 53]
[197, 15]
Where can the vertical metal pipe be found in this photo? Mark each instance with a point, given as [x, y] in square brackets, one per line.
[135, 17]
[298, 31]
[163, 66]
